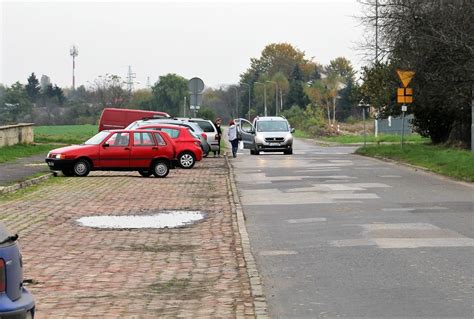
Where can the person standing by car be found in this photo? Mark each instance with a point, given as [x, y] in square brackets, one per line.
[233, 139]
[217, 124]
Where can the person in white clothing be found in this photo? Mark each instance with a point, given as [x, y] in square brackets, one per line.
[233, 138]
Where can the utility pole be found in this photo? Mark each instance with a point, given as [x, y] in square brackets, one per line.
[74, 52]
[376, 31]
[130, 77]
[248, 85]
[148, 85]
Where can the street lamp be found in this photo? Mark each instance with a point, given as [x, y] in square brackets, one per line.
[248, 85]
[276, 96]
[236, 99]
[264, 96]
[363, 105]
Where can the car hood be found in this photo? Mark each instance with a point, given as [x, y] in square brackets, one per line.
[273, 134]
[71, 148]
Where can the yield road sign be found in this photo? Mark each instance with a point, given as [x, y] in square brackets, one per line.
[405, 76]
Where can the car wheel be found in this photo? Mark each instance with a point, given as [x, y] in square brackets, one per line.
[81, 168]
[186, 160]
[144, 173]
[255, 150]
[160, 168]
[289, 151]
[67, 172]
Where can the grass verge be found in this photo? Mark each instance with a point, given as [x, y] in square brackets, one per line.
[301, 134]
[13, 152]
[66, 134]
[446, 161]
[382, 138]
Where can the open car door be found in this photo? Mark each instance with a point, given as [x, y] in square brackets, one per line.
[246, 131]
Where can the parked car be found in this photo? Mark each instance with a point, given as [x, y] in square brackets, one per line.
[118, 150]
[209, 128]
[267, 134]
[15, 300]
[193, 126]
[117, 119]
[187, 145]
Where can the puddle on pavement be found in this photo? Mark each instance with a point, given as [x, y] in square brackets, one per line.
[165, 219]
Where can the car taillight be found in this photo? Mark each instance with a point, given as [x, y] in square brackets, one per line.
[204, 135]
[198, 143]
[2, 275]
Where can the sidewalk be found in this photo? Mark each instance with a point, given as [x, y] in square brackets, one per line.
[22, 169]
[194, 271]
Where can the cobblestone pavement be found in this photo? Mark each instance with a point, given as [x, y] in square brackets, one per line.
[195, 271]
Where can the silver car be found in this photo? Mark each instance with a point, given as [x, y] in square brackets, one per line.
[209, 128]
[195, 128]
[266, 134]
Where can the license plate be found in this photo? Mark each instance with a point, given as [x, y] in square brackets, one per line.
[274, 144]
[50, 163]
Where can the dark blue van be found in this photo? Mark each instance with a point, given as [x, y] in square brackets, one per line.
[15, 300]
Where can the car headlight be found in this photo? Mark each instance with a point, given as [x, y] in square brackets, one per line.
[259, 139]
[59, 156]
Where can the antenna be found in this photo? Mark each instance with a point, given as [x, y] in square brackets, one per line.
[130, 77]
[74, 52]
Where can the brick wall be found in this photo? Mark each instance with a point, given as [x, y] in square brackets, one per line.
[15, 134]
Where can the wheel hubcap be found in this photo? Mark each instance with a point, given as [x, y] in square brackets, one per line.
[160, 169]
[186, 160]
[80, 168]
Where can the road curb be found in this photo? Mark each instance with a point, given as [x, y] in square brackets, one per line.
[23, 184]
[260, 302]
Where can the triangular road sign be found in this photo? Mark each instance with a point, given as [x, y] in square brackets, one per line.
[405, 76]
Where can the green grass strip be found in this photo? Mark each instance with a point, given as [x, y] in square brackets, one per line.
[446, 161]
[66, 134]
[11, 153]
[382, 138]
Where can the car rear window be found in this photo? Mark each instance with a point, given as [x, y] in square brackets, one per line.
[206, 126]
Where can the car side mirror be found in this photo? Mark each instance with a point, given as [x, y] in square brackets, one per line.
[292, 130]
[105, 145]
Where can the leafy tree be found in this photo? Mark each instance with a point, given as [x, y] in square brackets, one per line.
[169, 93]
[206, 113]
[109, 91]
[15, 105]
[141, 99]
[296, 94]
[33, 87]
[436, 40]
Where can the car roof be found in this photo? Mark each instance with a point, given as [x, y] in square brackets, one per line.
[270, 118]
[164, 125]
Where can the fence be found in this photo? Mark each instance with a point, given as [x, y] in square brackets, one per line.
[16, 134]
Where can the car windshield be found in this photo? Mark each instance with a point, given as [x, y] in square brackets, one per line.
[272, 126]
[133, 125]
[97, 139]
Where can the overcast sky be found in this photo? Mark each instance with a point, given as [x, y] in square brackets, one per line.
[211, 40]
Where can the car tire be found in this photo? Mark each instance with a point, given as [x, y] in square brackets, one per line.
[289, 151]
[68, 172]
[160, 168]
[81, 168]
[186, 160]
[252, 152]
[144, 173]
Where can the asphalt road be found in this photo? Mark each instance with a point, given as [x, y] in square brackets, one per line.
[339, 235]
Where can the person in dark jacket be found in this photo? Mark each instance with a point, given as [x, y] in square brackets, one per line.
[217, 123]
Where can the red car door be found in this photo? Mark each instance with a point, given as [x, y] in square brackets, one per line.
[144, 150]
[115, 151]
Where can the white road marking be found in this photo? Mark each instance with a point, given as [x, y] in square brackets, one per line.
[277, 252]
[306, 220]
[423, 242]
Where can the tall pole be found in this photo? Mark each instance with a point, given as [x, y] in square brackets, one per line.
[248, 85]
[472, 118]
[276, 96]
[264, 97]
[376, 31]
[74, 52]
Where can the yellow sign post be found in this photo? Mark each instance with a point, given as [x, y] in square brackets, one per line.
[404, 94]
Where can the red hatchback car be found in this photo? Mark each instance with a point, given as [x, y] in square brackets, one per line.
[119, 150]
[187, 146]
